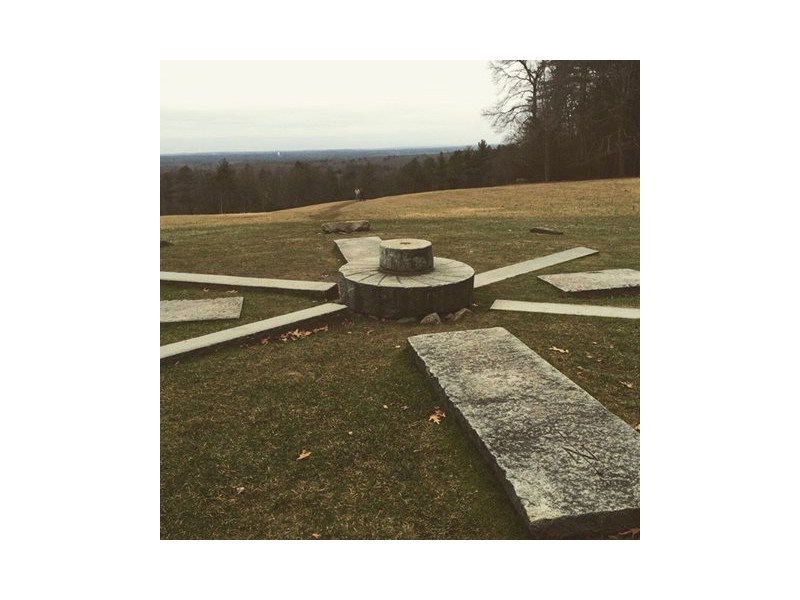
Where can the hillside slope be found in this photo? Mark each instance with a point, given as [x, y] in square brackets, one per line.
[605, 197]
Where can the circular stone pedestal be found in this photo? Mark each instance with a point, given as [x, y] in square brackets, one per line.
[367, 287]
[406, 256]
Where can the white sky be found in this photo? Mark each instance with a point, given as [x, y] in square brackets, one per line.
[226, 106]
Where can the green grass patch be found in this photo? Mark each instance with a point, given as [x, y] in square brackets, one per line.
[235, 420]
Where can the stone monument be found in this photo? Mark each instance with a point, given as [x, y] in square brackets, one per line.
[405, 280]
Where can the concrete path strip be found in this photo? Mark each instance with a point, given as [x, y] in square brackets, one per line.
[211, 309]
[359, 248]
[271, 325]
[555, 308]
[495, 275]
[321, 288]
[569, 466]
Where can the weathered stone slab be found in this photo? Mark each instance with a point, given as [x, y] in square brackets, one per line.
[359, 248]
[274, 324]
[570, 466]
[322, 288]
[175, 311]
[345, 226]
[594, 281]
[495, 275]
[566, 309]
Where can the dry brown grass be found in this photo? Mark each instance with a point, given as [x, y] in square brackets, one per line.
[597, 198]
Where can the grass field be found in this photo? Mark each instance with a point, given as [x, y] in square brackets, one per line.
[234, 421]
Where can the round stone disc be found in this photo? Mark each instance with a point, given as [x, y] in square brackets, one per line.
[366, 288]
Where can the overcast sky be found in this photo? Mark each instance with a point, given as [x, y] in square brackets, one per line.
[229, 106]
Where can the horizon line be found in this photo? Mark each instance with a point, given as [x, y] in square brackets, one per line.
[323, 149]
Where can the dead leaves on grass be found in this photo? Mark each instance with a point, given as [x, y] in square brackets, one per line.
[629, 534]
[436, 416]
[627, 384]
[561, 350]
[304, 454]
[297, 334]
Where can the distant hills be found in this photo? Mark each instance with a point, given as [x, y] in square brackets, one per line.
[209, 158]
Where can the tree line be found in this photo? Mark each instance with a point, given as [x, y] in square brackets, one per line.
[563, 120]
[229, 188]
[572, 119]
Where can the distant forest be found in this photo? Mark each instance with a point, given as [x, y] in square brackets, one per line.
[564, 120]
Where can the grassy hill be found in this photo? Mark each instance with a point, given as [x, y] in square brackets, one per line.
[235, 420]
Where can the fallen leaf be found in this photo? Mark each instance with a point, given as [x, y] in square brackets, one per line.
[318, 329]
[239, 490]
[637, 427]
[265, 340]
[304, 454]
[205, 289]
[370, 331]
[633, 532]
[405, 407]
[384, 406]
[316, 536]
[398, 346]
[294, 335]
[231, 291]
[349, 433]
[562, 350]
[627, 384]
[436, 416]
[294, 374]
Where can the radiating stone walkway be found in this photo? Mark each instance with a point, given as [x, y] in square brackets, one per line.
[322, 288]
[495, 275]
[556, 308]
[359, 248]
[274, 324]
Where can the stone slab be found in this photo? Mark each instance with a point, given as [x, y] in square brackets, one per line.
[566, 309]
[594, 281]
[176, 311]
[345, 226]
[274, 324]
[359, 248]
[570, 467]
[495, 275]
[322, 288]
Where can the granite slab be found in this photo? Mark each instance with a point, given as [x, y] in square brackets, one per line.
[555, 308]
[274, 324]
[606, 280]
[359, 248]
[211, 309]
[322, 288]
[495, 275]
[569, 466]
